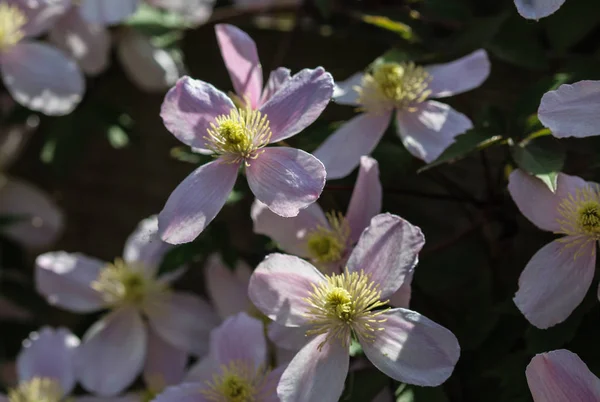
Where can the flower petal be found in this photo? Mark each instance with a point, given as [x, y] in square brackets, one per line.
[561, 376]
[298, 103]
[536, 9]
[145, 246]
[279, 286]
[190, 107]
[190, 392]
[366, 198]
[165, 364]
[345, 91]
[430, 128]
[555, 281]
[412, 349]
[316, 373]
[129, 397]
[572, 110]
[107, 12]
[49, 353]
[226, 344]
[402, 296]
[277, 79]
[196, 201]
[65, 279]
[228, 294]
[286, 179]
[112, 353]
[388, 250]
[241, 59]
[268, 390]
[203, 370]
[357, 137]
[41, 14]
[459, 76]
[290, 338]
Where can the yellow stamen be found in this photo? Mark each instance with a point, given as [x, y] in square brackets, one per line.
[12, 20]
[580, 218]
[237, 382]
[37, 390]
[328, 244]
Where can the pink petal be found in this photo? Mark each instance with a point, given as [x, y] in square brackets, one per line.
[430, 128]
[291, 338]
[228, 294]
[536, 9]
[298, 103]
[286, 179]
[459, 76]
[268, 391]
[357, 137]
[572, 110]
[402, 296]
[535, 200]
[41, 14]
[182, 319]
[345, 91]
[112, 353]
[241, 58]
[366, 198]
[107, 12]
[145, 246]
[189, 108]
[555, 281]
[279, 286]
[49, 353]
[277, 79]
[165, 364]
[388, 250]
[64, 279]
[413, 349]
[43, 221]
[196, 201]
[289, 233]
[226, 344]
[42, 78]
[129, 397]
[561, 376]
[203, 370]
[182, 393]
[315, 374]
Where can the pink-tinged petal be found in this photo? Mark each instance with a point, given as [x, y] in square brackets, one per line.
[40, 14]
[459, 76]
[190, 107]
[49, 353]
[277, 79]
[289, 233]
[536, 9]
[112, 353]
[268, 391]
[203, 370]
[65, 279]
[555, 281]
[107, 12]
[428, 129]
[129, 397]
[316, 373]
[184, 320]
[42, 221]
[87, 43]
[287, 180]
[42, 78]
[241, 59]
[191, 392]
[196, 201]
[226, 344]
[357, 137]
[193, 11]
[388, 250]
[572, 110]
[298, 103]
[412, 349]
[228, 294]
[145, 246]
[366, 198]
[243, 272]
[345, 91]
[561, 376]
[402, 296]
[535, 200]
[279, 286]
[165, 364]
[291, 338]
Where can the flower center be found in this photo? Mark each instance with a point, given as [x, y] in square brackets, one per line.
[327, 244]
[239, 135]
[580, 216]
[237, 382]
[343, 304]
[37, 390]
[393, 85]
[12, 21]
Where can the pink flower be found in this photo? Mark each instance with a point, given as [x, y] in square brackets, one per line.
[426, 127]
[236, 366]
[117, 348]
[561, 376]
[536, 9]
[287, 180]
[228, 290]
[559, 275]
[37, 76]
[402, 343]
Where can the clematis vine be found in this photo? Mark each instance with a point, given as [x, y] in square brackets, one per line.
[536, 9]
[122, 344]
[558, 276]
[401, 343]
[426, 127]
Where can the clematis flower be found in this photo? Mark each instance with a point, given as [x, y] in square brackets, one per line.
[426, 127]
[561, 376]
[236, 368]
[402, 343]
[572, 110]
[118, 343]
[559, 275]
[536, 9]
[285, 179]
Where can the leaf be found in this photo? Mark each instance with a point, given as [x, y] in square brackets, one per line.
[364, 385]
[542, 157]
[148, 18]
[447, 10]
[479, 33]
[517, 42]
[412, 393]
[404, 30]
[355, 348]
[118, 137]
[572, 23]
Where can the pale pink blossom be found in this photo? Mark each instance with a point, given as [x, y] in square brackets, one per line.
[536, 9]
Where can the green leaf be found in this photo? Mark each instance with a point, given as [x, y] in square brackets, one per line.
[405, 31]
[118, 137]
[412, 393]
[542, 157]
[518, 42]
[477, 34]
[572, 23]
[148, 18]
[355, 348]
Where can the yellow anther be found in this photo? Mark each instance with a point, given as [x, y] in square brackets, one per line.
[580, 218]
[37, 390]
[237, 382]
[12, 21]
[328, 244]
